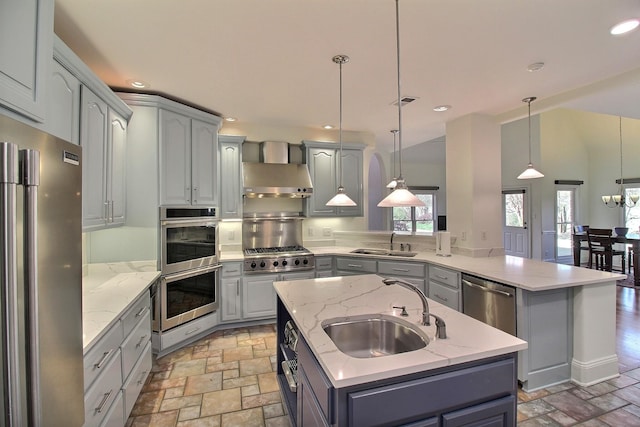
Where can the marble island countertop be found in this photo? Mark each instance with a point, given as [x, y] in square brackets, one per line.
[108, 290]
[528, 274]
[312, 301]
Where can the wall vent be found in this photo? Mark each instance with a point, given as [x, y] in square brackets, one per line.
[405, 100]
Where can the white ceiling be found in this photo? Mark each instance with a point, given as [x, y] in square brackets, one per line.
[269, 62]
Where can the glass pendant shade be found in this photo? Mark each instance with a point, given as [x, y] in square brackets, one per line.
[341, 199]
[530, 172]
[400, 197]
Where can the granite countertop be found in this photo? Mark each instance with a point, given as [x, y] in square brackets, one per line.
[108, 290]
[524, 273]
[312, 301]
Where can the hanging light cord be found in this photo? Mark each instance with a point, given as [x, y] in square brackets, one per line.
[399, 91]
[394, 132]
[621, 177]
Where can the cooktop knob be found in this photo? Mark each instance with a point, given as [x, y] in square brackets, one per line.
[297, 262]
[305, 261]
[253, 265]
[275, 263]
[262, 264]
[284, 263]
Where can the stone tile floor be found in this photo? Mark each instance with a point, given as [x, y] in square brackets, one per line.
[228, 379]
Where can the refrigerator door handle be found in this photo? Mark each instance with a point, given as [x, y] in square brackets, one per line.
[30, 179]
[9, 297]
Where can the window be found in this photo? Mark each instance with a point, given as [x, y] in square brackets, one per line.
[514, 209]
[632, 215]
[416, 219]
[565, 218]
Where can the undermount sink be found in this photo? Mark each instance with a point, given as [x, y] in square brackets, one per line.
[383, 252]
[374, 335]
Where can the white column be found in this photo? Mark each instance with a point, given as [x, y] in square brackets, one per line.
[594, 334]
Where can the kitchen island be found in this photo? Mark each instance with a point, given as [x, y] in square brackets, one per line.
[428, 385]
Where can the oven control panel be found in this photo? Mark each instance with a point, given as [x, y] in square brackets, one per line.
[279, 264]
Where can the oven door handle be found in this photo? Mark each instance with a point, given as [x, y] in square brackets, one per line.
[196, 271]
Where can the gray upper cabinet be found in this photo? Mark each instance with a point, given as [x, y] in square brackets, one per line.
[103, 140]
[25, 55]
[188, 159]
[230, 176]
[63, 105]
[323, 161]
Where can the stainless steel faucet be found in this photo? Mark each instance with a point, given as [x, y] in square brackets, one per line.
[393, 234]
[441, 327]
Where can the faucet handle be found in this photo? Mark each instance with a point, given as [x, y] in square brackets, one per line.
[441, 326]
[404, 310]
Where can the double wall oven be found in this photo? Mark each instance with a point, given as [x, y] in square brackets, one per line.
[189, 265]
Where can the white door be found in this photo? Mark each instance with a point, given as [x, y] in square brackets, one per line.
[515, 208]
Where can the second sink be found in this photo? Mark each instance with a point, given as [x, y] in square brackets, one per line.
[385, 252]
[374, 335]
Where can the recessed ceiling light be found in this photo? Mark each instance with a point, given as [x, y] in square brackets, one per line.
[536, 66]
[624, 27]
[440, 108]
[138, 84]
[230, 119]
[327, 127]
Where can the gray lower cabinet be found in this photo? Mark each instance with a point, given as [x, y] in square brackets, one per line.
[324, 266]
[444, 287]
[347, 266]
[479, 393]
[252, 296]
[117, 366]
[412, 272]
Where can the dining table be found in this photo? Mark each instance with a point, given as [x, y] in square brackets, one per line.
[632, 239]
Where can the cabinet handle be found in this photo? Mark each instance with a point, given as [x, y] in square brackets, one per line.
[441, 297]
[354, 265]
[105, 356]
[143, 376]
[192, 331]
[238, 287]
[112, 210]
[187, 193]
[106, 211]
[105, 399]
[142, 310]
[400, 269]
[441, 277]
[142, 339]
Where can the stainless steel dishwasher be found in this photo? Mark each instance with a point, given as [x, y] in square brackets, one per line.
[490, 302]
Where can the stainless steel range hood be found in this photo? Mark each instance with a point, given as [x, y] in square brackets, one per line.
[274, 176]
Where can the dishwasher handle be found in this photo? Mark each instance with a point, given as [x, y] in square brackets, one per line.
[485, 289]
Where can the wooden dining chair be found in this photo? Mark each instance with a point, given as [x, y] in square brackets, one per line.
[601, 248]
[584, 245]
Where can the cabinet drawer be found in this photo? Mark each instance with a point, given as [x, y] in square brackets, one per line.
[101, 353]
[316, 378]
[189, 330]
[133, 385]
[401, 268]
[445, 295]
[135, 313]
[135, 343]
[115, 417]
[103, 392]
[324, 263]
[231, 269]
[445, 276]
[356, 264]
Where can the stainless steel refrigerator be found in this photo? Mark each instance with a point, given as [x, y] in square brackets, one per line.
[41, 273]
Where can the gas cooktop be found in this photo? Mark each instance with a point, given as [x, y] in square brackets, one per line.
[278, 259]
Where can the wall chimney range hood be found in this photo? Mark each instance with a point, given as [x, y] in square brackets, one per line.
[274, 176]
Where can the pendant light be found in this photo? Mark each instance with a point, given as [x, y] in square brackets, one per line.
[619, 200]
[394, 181]
[530, 172]
[400, 196]
[341, 198]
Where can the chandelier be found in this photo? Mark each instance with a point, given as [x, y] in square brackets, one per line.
[619, 200]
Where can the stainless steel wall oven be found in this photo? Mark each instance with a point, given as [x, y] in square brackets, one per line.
[189, 264]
